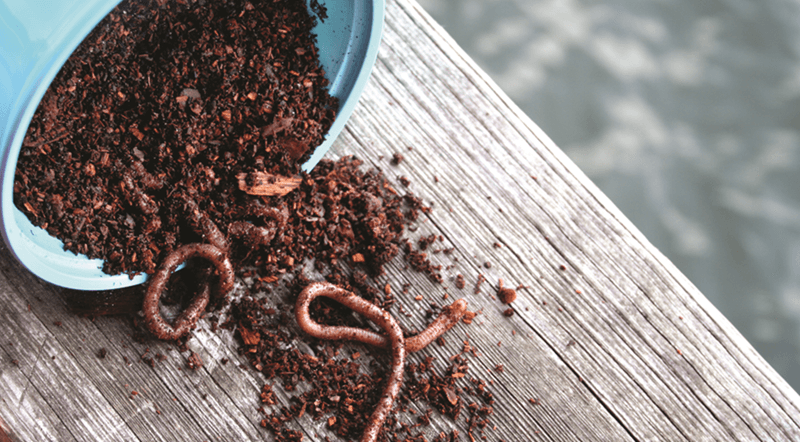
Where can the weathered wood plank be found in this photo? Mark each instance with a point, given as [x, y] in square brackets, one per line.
[611, 341]
[647, 310]
[25, 410]
[93, 398]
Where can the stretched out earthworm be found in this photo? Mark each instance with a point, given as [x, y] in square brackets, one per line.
[446, 320]
[380, 317]
[449, 317]
[187, 319]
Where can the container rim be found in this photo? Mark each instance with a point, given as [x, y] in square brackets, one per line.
[348, 41]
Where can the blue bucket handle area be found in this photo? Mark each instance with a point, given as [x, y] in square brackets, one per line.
[36, 39]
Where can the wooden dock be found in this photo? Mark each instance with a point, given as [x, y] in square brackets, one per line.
[608, 340]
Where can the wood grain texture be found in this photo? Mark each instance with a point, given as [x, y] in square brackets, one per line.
[608, 337]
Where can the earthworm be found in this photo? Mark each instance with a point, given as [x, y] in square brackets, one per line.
[380, 317]
[254, 235]
[216, 252]
[147, 179]
[449, 317]
[137, 168]
[268, 212]
[137, 197]
[188, 318]
[132, 183]
[203, 224]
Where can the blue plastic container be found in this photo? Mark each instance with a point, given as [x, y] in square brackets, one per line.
[37, 37]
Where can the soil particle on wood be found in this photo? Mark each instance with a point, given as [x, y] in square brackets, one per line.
[460, 283]
[481, 280]
[420, 262]
[507, 295]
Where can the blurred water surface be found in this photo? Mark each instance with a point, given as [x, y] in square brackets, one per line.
[687, 115]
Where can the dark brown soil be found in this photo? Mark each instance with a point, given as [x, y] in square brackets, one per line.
[158, 108]
[167, 99]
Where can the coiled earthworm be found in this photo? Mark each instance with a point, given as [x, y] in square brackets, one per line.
[445, 321]
[188, 318]
[380, 317]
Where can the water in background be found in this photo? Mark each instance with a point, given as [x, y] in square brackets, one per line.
[687, 115]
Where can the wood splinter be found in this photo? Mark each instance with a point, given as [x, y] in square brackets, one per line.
[267, 184]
